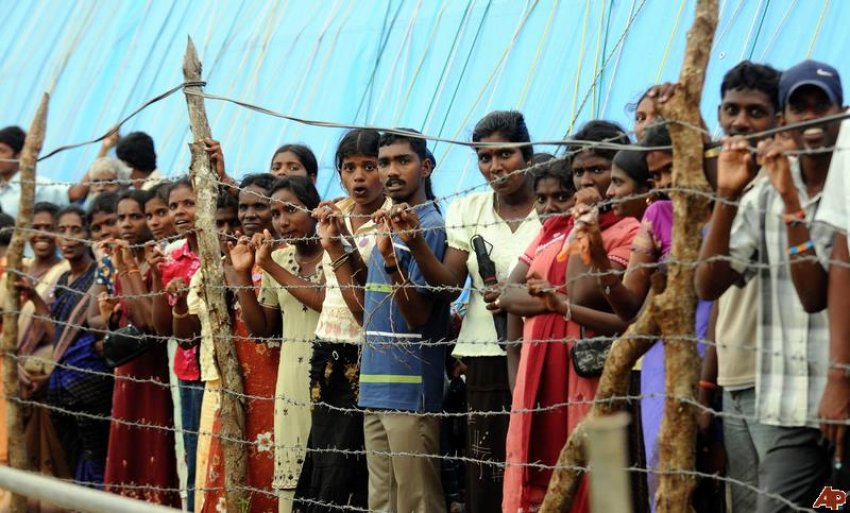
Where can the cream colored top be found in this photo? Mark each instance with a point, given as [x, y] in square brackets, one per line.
[735, 335]
[466, 217]
[292, 407]
[336, 323]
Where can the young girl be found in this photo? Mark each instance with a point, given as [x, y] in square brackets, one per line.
[171, 267]
[290, 300]
[294, 160]
[141, 393]
[347, 235]
[506, 220]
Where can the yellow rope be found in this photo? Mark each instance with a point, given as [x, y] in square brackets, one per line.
[670, 42]
[599, 36]
[817, 28]
[543, 39]
[580, 62]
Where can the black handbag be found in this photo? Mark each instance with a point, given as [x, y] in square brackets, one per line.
[589, 355]
[125, 344]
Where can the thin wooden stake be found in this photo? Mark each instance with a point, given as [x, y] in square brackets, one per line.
[14, 420]
[676, 307]
[206, 193]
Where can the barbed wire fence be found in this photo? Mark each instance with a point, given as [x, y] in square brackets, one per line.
[688, 192]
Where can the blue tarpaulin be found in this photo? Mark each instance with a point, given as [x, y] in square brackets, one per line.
[434, 66]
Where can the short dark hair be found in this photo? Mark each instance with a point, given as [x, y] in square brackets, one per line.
[758, 77]
[510, 124]
[557, 168]
[136, 149]
[225, 200]
[105, 202]
[301, 187]
[160, 191]
[45, 206]
[13, 137]
[264, 181]
[656, 134]
[360, 141]
[540, 158]
[305, 156]
[633, 163]
[139, 196]
[417, 144]
[7, 229]
[600, 130]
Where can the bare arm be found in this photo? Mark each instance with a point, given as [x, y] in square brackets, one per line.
[450, 273]
[835, 404]
[515, 298]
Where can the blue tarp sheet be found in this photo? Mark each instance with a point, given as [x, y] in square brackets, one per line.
[430, 65]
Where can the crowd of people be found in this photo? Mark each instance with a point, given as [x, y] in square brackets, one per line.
[401, 355]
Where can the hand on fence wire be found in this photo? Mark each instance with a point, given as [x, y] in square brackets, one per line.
[540, 287]
[777, 166]
[734, 167]
[263, 244]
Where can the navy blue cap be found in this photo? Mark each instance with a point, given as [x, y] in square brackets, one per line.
[814, 73]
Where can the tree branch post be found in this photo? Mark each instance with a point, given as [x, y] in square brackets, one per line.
[14, 420]
[676, 307]
[206, 192]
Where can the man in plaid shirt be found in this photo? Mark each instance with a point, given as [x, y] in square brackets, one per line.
[766, 230]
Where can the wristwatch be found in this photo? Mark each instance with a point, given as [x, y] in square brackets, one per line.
[391, 269]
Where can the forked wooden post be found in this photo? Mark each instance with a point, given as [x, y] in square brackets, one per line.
[14, 421]
[671, 308]
[676, 307]
[206, 192]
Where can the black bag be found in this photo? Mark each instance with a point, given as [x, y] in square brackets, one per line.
[589, 355]
[125, 344]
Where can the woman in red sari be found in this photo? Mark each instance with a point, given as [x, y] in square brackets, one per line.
[140, 461]
[549, 398]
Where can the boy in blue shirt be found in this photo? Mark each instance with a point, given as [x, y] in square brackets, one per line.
[402, 367]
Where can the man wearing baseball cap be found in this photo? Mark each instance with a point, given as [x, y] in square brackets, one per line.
[766, 231]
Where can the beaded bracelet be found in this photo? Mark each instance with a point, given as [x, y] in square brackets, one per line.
[794, 217]
[802, 248]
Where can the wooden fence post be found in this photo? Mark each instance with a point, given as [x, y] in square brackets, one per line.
[14, 421]
[206, 192]
[676, 307]
[670, 308]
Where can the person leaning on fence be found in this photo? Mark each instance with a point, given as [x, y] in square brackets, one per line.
[546, 376]
[507, 221]
[290, 299]
[405, 322]
[749, 104]
[770, 225]
[35, 352]
[347, 236]
[79, 391]
[141, 401]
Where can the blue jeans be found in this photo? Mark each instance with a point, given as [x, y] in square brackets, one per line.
[191, 394]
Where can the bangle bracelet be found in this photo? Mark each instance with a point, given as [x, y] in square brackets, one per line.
[568, 315]
[801, 248]
[707, 385]
[792, 218]
[390, 269]
[134, 270]
[177, 315]
[336, 264]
